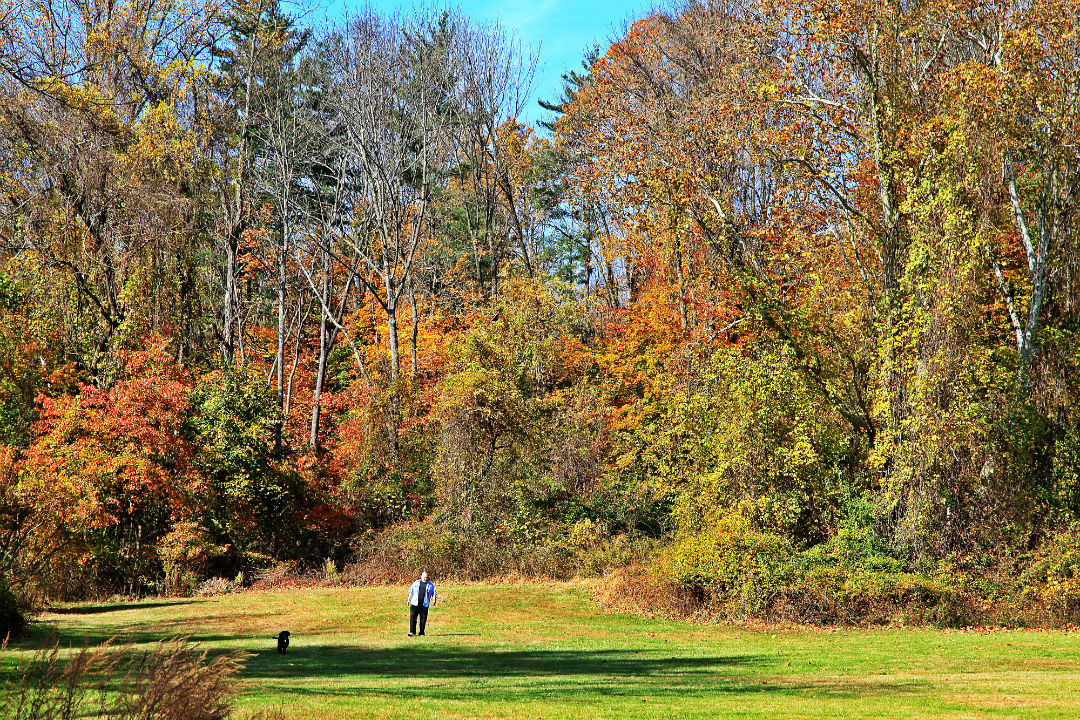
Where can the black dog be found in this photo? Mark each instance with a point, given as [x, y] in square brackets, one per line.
[283, 641]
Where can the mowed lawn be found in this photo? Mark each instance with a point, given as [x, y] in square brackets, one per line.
[547, 651]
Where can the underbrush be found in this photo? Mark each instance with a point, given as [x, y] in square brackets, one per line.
[1049, 579]
[399, 553]
[732, 572]
[12, 611]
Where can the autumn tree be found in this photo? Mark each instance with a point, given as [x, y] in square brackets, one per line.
[108, 474]
[287, 127]
[101, 160]
[494, 79]
[243, 118]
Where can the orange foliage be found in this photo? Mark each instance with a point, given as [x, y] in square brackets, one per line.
[107, 452]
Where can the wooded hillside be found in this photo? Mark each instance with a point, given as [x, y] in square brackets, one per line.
[780, 307]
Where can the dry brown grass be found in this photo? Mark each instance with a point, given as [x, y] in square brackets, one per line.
[170, 681]
[637, 589]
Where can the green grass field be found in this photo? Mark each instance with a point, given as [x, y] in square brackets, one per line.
[546, 651]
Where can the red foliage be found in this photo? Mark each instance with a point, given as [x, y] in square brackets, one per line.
[114, 450]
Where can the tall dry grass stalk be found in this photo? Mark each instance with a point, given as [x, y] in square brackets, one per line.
[171, 681]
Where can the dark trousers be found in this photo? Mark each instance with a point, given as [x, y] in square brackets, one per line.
[417, 611]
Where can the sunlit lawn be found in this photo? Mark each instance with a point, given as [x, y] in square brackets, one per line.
[546, 651]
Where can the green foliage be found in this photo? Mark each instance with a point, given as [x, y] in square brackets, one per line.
[255, 499]
[377, 494]
[1052, 579]
[732, 565]
[234, 414]
[833, 595]
[856, 546]
[383, 481]
[1066, 470]
[735, 570]
[852, 579]
[505, 450]
[763, 442]
[32, 359]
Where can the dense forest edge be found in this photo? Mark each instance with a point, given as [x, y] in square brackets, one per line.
[775, 316]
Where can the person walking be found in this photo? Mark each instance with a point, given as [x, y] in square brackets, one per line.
[421, 596]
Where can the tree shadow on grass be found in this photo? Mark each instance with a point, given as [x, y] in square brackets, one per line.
[429, 669]
[139, 633]
[116, 607]
[465, 663]
[421, 670]
[478, 673]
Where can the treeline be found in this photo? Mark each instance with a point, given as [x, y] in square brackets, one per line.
[779, 306]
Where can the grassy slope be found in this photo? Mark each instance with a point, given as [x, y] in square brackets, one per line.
[545, 651]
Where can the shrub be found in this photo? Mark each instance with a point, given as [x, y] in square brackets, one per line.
[733, 569]
[216, 586]
[766, 447]
[331, 575]
[400, 552]
[640, 589]
[185, 552]
[12, 619]
[731, 565]
[47, 688]
[174, 681]
[282, 574]
[1052, 579]
[596, 552]
[253, 499]
[857, 542]
[826, 594]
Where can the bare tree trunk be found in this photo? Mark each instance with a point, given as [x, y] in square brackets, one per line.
[279, 361]
[414, 332]
[235, 200]
[612, 287]
[301, 320]
[228, 326]
[451, 77]
[508, 193]
[324, 352]
[241, 346]
[392, 336]
[393, 424]
[320, 374]
[1037, 250]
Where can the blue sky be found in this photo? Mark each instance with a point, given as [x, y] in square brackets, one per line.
[559, 30]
